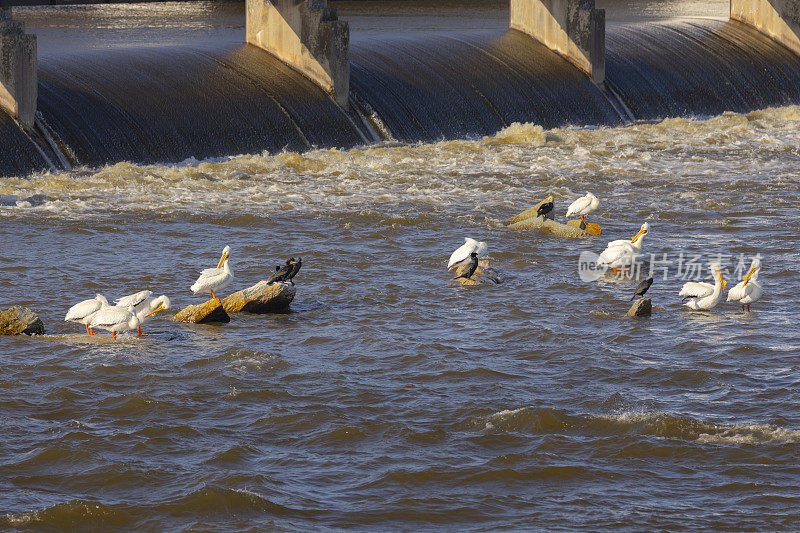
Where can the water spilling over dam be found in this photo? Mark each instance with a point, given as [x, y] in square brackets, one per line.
[167, 102]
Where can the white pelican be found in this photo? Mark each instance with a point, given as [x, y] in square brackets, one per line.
[583, 206]
[115, 319]
[144, 305]
[748, 290]
[463, 252]
[704, 295]
[82, 312]
[215, 279]
[623, 253]
[136, 299]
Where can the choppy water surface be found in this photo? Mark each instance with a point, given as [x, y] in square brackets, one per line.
[388, 397]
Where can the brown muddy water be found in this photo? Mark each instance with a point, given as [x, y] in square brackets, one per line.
[390, 398]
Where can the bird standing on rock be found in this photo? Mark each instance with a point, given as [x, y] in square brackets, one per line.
[281, 272]
[462, 253]
[642, 287]
[215, 279]
[83, 312]
[467, 268]
[295, 268]
[544, 209]
[583, 206]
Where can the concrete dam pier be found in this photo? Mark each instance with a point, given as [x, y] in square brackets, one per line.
[301, 82]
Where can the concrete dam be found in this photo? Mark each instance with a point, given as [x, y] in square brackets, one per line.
[301, 81]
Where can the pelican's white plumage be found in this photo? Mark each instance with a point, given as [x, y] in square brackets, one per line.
[583, 205]
[136, 299]
[704, 295]
[149, 306]
[82, 312]
[215, 279]
[115, 319]
[623, 253]
[463, 252]
[748, 290]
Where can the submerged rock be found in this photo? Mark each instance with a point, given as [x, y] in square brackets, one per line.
[642, 307]
[20, 321]
[210, 311]
[262, 297]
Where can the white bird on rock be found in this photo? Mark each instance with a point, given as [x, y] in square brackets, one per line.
[115, 319]
[83, 312]
[748, 290]
[215, 279]
[623, 253]
[583, 206]
[144, 305]
[463, 252]
[704, 296]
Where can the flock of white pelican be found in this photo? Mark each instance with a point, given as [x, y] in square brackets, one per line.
[623, 254]
[132, 311]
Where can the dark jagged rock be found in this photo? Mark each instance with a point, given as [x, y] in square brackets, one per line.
[205, 313]
[263, 297]
[20, 321]
[642, 307]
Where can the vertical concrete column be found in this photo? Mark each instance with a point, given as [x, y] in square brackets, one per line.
[780, 19]
[573, 28]
[18, 89]
[307, 35]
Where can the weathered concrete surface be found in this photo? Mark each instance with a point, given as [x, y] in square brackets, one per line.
[483, 274]
[20, 321]
[18, 82]
[261, 298]
[642, 307]
[307, 35]
[573, 28]
[780, 19]
[211, 311]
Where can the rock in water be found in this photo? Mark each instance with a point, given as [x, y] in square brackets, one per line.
[20, 321]
[529, 220]
[211, 311]
[483, 274]
[642, 307]
[262, 297]
[591, 228]
[531, 213]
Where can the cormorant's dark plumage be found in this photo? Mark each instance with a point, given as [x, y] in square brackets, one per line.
[642, 287]
[280, 272]
[295, 269]
[467, 268]
[544, 209]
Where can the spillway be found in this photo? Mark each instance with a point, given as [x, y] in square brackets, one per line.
[166, 104]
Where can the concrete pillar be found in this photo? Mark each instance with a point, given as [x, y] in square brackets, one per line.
[780, 19]
[18, 89]
[573, 28]
[307, 35]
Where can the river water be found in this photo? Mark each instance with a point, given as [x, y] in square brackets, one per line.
[389, 397]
